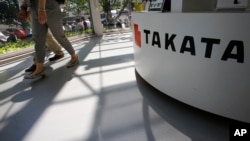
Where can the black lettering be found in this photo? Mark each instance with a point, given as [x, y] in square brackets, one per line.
[186, 40]
[146, 33]
[209, 46]
[239, 48]
[156, 39]
[170, 41]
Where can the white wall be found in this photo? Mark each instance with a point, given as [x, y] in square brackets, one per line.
[209, 83]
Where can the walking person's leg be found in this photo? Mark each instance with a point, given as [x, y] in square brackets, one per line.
[54, 21]
[54, 46]
[33, 66]
[39, 36]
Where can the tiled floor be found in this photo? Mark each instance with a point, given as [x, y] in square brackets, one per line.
[103, 99]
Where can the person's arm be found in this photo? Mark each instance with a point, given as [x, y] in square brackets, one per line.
[42, 18]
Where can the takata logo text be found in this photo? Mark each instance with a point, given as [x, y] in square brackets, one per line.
[234, 49]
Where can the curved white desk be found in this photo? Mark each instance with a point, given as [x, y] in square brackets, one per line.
[201, 59]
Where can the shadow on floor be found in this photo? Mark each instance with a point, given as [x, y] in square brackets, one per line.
[38, 92]
[194, 123]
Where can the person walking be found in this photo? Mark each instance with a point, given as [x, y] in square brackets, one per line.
[46, 14]
[51, 43]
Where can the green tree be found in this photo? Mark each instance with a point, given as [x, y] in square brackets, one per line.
[76, 6]
[123, 6]
[108, 5]
[8, 11]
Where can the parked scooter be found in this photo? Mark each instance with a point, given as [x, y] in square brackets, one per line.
[3, 39]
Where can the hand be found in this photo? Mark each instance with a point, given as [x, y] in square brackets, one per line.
[42, 17]
[23, 15]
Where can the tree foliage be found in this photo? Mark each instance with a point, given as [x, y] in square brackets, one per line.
[8, 11]
[108, 5]
[76, 6]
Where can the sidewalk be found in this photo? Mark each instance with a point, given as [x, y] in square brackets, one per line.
[102, 99]
[24, 53]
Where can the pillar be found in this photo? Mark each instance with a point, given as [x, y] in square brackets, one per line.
[96, 18]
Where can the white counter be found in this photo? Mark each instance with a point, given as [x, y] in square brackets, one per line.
[201, 59]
